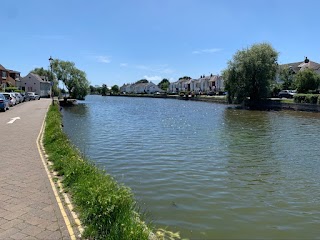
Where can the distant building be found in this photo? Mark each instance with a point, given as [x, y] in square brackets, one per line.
[149, 87]
[204, 84]
[296, 67]
[35, 83]
[9, 78]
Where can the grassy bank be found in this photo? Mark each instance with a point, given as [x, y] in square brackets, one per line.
[106, 209]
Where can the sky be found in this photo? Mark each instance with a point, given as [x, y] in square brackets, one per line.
[123, 41]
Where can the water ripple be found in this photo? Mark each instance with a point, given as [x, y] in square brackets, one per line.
[206, 170]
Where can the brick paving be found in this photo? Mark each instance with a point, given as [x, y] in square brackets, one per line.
[28, 208]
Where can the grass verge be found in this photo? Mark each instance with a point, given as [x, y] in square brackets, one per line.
[106, 209]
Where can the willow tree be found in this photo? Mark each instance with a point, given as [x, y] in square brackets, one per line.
[74, 79]
[250, 73]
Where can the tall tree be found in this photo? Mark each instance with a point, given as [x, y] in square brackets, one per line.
[104, 90]
[93, 90]
[78, 84]
[74, 79]
[41, 72]
[307, 80]
[286, 75]
[164, 84]
[115, 89]
[250, 73]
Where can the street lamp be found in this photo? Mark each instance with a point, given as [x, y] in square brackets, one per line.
[50, 60]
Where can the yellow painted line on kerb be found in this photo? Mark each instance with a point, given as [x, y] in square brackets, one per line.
[63, 212]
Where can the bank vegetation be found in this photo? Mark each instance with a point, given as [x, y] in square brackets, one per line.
[106, 208]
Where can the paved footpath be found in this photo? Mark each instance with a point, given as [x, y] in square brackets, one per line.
[28, 207]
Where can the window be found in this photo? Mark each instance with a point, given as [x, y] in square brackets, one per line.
[4, 74]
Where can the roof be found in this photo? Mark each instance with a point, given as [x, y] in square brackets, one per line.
[37, 77]
[2, 67]
[298, 66]
[214, 78]
[13, 71]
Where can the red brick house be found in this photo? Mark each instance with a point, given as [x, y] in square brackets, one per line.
[9, 78]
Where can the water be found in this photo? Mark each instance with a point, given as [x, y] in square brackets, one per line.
[205, 170]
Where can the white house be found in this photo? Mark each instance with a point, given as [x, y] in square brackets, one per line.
[126, 88]
[204, 84]
[216, 83]
[35, 83]
[152, 88]
[149, 87]
[183, 84]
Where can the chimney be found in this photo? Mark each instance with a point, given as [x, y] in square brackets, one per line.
[306, 60]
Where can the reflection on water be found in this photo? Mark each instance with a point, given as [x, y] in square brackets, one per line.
[205, 170]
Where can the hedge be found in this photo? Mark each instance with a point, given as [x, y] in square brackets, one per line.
[307, 98]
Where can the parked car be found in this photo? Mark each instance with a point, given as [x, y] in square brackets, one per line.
[25, 97]
[4, 103]
[286, 93]
[14, 98]
[11, 100]
[33, 96]
[19, 97]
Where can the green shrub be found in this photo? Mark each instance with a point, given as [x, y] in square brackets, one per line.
[307, 80]
[314, 99]
[106, 208]
[307, 98]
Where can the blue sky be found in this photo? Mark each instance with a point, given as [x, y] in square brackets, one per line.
[122, 41]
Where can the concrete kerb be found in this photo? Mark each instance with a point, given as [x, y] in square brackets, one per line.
[66, 200]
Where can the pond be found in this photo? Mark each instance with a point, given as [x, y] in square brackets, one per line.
[204, 169]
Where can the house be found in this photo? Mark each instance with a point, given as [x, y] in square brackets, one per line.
[14, 78]
[216, 83]
[35, 83]
[204, 84]
[139, 88]
[296, 67]
[181, 85]
[126, 88]
[152, 88]
[3, 74]
[9, 78]
[149, 87]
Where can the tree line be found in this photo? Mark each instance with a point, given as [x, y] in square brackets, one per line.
[104, 90]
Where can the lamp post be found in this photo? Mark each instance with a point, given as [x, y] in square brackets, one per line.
[50, 60]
